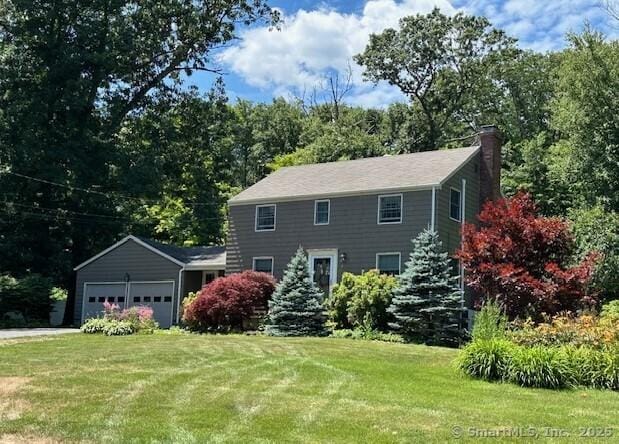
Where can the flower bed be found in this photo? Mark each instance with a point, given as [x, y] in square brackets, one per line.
[566, 351]
[117, 322]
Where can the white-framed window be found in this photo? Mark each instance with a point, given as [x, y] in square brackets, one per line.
[265, 217]
[322, 210]
[388, 263]
[390, 209]
[263, 264]
[455, 204]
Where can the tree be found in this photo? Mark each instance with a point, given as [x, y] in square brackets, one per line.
[598, 230]
[585, 114]
[296, 308]
[71, 72]
[438, 61]
[522, 260]
[427, 302]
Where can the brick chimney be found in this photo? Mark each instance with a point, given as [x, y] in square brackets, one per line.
[490, 140]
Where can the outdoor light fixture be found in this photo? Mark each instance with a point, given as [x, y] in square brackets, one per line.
[343, 257]
[127, 277]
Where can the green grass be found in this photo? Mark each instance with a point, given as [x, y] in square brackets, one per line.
[166, 388]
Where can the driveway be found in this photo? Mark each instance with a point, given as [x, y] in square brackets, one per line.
[11, 333]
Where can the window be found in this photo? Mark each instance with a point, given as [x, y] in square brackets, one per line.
[146, 299]
[157, 299]
[265, 218]
[92, 299]
[455, 205]
[167, 299]
[111, 299]
[263, 264]
[121, 299]
[321, 212]
[388, 263]
[136, 299]
[390, 209]
[102, 299]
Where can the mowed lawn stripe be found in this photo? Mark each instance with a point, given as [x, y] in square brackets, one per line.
[216, 388]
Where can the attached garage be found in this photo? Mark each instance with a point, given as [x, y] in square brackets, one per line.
[142, 272]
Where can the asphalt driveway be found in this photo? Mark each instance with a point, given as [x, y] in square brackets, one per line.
[11, 333]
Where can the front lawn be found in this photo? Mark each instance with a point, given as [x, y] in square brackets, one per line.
[165, 388]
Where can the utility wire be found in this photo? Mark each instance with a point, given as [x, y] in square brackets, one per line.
[110, 194]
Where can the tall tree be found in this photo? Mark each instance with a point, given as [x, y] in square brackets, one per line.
[438, 61]
[70, 74]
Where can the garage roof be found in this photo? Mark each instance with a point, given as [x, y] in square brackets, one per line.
[197, 258]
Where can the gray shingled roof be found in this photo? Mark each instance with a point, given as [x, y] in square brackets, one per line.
[204, 256]
[375, 174]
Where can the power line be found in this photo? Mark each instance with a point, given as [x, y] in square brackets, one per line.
[110, 194]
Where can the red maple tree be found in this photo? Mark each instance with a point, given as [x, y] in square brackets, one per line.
[228, 301]
[523, 260]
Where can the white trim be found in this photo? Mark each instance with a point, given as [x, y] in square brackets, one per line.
[253, 262]
[204, 267]
[433, 215]
[463, 214]
[279, 199]
[391, 253]
[316, 202]
[274, 218]
[463, 203]
[178, 294]
[459, 203]
[122, 241]
[330, 253]
[380, 196]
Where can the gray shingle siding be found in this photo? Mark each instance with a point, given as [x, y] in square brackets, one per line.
[352, 229]
[143, 264]
[449, 229]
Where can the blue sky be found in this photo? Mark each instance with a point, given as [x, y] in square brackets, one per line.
[320, 37]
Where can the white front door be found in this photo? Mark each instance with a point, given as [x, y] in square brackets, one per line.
[323, 269]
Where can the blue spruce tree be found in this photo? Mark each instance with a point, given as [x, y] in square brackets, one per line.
[426, 303]
[296, 307]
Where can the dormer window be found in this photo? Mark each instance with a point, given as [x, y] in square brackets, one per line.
[265, 217]
[390, 209]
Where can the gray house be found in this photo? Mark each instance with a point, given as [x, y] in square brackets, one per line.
[139, 271]
[361, 214]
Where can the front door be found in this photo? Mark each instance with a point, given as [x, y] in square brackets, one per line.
[323, 269]
[322, 273]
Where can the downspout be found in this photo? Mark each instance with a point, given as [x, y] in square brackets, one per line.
[462, 222]
[178, 294]
[433, 215]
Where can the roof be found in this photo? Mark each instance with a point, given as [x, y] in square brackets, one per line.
[196, 258]
[404, 172]
[193, 256]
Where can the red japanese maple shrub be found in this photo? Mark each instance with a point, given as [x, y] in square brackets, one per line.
[522, 260]
[225, 303]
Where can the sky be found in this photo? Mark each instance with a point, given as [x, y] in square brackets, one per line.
[319, 38]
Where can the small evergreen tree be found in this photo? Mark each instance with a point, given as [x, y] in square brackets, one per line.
[426, 302]
[296, 308]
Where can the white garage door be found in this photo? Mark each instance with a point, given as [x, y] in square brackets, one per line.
[95, 294]
[157, 295]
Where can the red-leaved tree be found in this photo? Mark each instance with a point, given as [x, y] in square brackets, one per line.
[228, 301]
[523, 260]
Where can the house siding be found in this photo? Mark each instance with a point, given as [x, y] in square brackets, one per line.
[449, 230]
[352, 230]
[142, 264]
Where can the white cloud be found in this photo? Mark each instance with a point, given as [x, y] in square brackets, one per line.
[311, 43]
